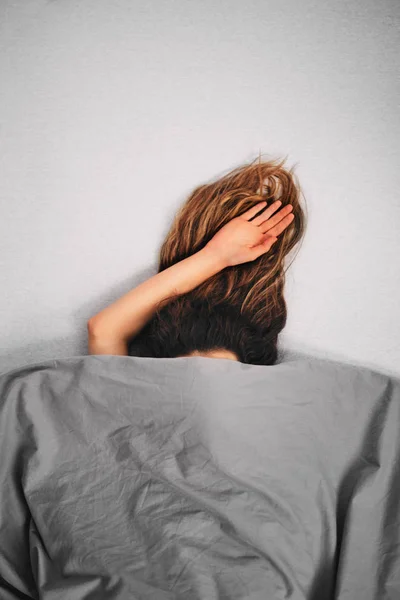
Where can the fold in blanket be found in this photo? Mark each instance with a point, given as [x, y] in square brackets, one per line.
[199, 478]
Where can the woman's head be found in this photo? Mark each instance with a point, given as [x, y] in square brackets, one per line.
[241, 308]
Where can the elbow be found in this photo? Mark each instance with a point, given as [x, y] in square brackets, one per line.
[90, 325]
[93, 327]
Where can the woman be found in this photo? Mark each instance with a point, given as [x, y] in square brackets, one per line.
[219, 288]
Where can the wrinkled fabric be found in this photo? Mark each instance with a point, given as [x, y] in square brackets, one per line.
[199, 478]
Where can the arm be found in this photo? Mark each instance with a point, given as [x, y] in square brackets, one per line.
[110, 329]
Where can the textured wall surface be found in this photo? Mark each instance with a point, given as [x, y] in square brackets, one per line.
[110, 114]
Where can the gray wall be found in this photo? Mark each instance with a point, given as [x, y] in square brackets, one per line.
[111, 112]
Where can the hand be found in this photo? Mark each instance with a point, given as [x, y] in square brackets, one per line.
[242, 240]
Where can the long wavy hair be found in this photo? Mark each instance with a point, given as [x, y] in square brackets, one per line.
[241, 308]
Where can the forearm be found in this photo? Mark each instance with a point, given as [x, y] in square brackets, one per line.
[127, 316]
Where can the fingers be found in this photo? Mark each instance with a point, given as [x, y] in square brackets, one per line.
[273, 225]
[275, 219]
[253, 210]
[276, 228]
[266, 223]
[267, 213]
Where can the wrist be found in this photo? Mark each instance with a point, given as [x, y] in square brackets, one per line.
[217, 262]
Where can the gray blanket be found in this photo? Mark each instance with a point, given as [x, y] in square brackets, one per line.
[199, 478]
